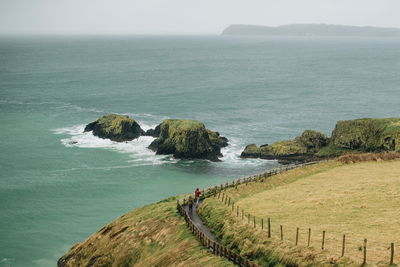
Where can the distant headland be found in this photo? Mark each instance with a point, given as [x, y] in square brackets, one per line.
[310, 30]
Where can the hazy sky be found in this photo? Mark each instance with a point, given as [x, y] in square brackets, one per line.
[185, 16]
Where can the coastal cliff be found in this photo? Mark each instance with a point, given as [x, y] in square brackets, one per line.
[360, 135]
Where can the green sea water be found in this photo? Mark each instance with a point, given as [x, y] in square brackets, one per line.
[59, 185]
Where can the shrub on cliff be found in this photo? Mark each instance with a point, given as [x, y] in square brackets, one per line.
[368, 135]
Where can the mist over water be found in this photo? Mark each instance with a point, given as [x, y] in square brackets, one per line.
[58, 185]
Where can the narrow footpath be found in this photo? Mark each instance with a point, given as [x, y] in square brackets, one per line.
[199, 223]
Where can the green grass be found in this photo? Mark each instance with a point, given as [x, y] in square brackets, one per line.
[286, 147]
[112, 123]
[184, 124]
[154, 235]
[367, 135]
[332, 151]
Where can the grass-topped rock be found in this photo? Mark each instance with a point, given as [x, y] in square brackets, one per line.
[301, 148]
[115, 127]
[187, 139]
[361, 135]
[368, 135]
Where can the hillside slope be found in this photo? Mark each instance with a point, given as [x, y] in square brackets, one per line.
[154, 235]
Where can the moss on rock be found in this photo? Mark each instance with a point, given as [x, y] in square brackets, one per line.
[251, 151]
[115, 127]
[188, 139]
[300, 148]
[312, 140]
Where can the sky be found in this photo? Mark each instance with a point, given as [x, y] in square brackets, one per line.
[177, 17]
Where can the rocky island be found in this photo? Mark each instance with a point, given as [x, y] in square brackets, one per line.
[361, 135]
[309, 30]
[188, 139]
[115, 127]
[185, 139]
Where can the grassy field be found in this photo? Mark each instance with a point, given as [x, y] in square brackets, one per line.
[360, 200]
[154, 235]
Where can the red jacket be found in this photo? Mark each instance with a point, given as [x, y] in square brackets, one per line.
[197, 193]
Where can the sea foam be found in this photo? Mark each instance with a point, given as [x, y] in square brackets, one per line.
[137, 148]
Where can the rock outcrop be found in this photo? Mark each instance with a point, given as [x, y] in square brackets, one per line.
[368, 135]
[115, 127]
[302, 148]
[361, 135]
[187, 139]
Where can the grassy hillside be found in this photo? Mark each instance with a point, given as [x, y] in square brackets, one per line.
[154, 235]
[360, 200]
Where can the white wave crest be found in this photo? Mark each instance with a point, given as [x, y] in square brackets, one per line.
[137, 148]
[231, 154]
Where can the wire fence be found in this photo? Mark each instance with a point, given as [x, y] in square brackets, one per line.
[215, 247]
[359, 249]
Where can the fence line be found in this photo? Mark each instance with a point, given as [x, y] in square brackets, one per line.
[216, 190]
[363, 248]
[215, 247]
[220, 250]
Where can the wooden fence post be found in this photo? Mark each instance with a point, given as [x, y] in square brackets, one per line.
[242, 214]
[229, 202]
[237, 211]
[269, 228]
[309, 237]
[323, 239]
[248, 218]
[262, 224]
[297, 235]
[281, 232]
[343, 244]
[233, 206]
[365, 252]
[254, 220]
[391, 253]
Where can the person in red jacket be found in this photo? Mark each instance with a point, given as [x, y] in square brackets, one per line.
[197, 194]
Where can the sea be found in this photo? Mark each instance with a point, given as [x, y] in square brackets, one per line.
[58, 184]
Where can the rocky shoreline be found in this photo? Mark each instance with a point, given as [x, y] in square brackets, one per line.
[360, 135]
[190, 139]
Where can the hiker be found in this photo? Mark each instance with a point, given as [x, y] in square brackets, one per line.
[197, 195]
[190, 204]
